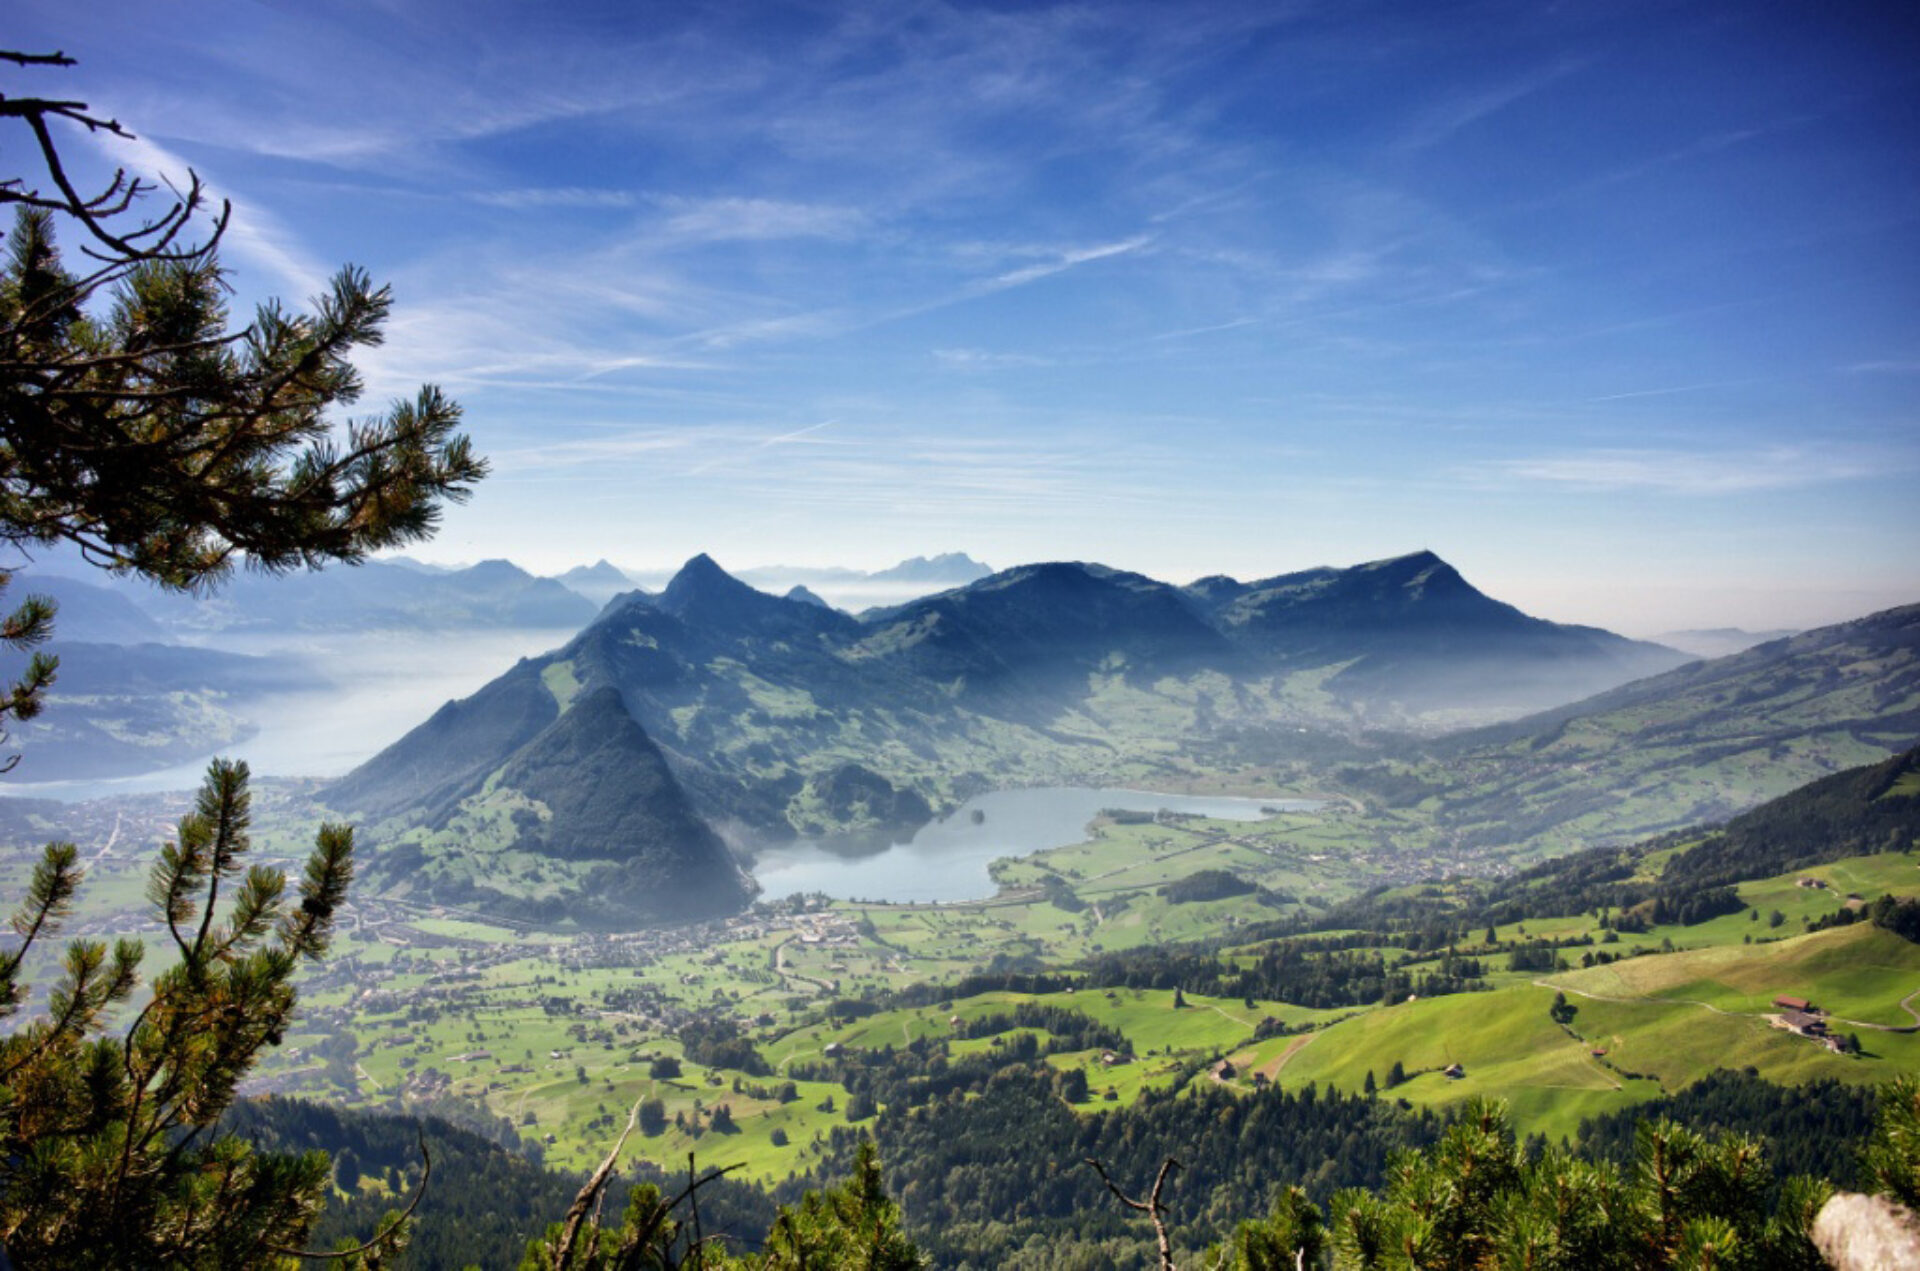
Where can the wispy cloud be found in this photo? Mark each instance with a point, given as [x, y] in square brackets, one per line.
[987, 360]
[1686, 472]
[557, 196]
[1064, 260]
[1462, 110]
[591, 450]
[722, 219]
[737, 454]
[1211, 328]
[1666, 392]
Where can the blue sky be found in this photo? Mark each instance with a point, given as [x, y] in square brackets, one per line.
[1612, 304]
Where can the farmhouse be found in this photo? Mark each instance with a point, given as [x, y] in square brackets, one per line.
[1793, 1003]
[1454, 1071]
[1803, 1023]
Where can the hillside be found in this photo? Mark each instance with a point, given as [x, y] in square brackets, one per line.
[1411, 631]
[1695, 744]
[1095, 1013]
[1059, 672]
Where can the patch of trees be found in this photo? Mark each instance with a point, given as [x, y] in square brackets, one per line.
[1901, 917]
[1060, 894]
[1535, 955]
[484, 1201]
[715, 1041]
[971, 1198]
[1685, 908]
[984, 982]
[1325, 972]
[1207, 884]
[1851, 813]
[926, 1070]
[1816, 1128]
[845, 1009]
[1069, 1029]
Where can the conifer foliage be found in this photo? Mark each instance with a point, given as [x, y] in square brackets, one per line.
[855, 1226]
[1476, 1201]
[137, 426]
[105, 1156]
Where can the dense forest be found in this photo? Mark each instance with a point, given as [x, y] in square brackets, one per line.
[992, 1172]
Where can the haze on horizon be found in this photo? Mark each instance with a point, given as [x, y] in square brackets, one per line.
[1613, 307]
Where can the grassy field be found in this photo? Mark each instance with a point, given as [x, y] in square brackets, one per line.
[1858, 974]
[556, 1033]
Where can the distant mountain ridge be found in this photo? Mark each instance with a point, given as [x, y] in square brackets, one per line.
[1748, 726]
[598, 582]
[116, 709]
[373, 596]
[1059, 671]
[947, 567]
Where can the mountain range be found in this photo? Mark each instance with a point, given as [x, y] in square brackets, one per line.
[99, 608]
[772, 714]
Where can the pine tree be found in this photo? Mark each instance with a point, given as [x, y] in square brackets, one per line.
[105, 1156]
[135, 425]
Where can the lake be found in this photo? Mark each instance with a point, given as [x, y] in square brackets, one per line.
[947, 859]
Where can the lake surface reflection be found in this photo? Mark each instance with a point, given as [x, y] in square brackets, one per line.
[947, 859]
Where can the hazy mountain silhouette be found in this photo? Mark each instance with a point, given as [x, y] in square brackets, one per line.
[768, 712]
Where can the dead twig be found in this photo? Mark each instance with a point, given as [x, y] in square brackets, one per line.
[1151, 1206]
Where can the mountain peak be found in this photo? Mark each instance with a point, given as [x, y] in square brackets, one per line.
[1412, 562]
[602, 569]
[1423, 571]
[706, 595]
[806, 596]
[701, 585]
[498, 569]
[947, 567]
[700, 574]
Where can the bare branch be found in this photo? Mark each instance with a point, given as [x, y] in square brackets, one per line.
[1151, 1206]
[577, 1212]
[35, 59]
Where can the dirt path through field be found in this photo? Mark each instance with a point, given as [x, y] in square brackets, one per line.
[1273, 1066]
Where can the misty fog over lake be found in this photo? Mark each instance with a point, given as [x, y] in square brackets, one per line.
[371, 689]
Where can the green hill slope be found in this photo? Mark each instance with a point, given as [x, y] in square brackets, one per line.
[1687, 747]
